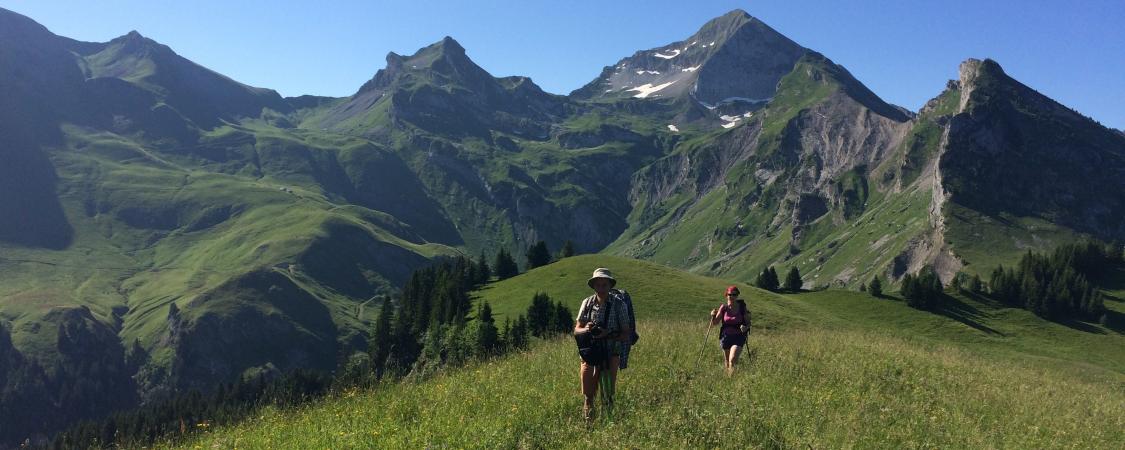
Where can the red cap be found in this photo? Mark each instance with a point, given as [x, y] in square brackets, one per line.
[732, 290]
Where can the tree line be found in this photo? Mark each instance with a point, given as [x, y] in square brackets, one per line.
[924, 290]
[1057, 285]
[537, 255]
[194, 411]
[432, 324]
[767, 279]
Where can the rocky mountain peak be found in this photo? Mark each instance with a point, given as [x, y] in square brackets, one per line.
[134, 43]
[440, 88]
[443, 63]
[970, 72]
[971, 68]
[447, 57]
[734, 57]
[450, 45]
[728, 24]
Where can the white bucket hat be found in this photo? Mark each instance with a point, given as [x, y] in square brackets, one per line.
[602, 272]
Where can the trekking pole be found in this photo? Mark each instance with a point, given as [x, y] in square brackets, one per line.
[710, 323]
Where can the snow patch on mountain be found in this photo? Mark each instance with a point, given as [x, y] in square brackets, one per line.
[731, 121]
[648, 89]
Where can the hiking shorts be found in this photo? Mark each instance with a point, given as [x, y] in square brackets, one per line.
[727, 340]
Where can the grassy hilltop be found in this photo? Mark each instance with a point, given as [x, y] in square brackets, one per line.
[825, 369]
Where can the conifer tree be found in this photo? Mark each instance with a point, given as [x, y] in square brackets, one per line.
[433, 350]
[793, 281]
[975, 285]
[539, 314]
[923, 291]
[876, 288]
[538, 255]
[908, 288]
[487, 337]
[483, 272]
[564, 321]
[380, 342]
[506, 335]
[517, 338]
[458, 343]
[767, 279]
[760, 280]
[567, 249]
[404, 346]
[505, 266]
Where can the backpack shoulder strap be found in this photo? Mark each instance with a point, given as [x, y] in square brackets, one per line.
[608, 310]
[584, 310]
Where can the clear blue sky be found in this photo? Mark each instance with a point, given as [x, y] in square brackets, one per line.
[905, 50]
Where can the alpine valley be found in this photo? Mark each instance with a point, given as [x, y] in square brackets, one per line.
[165, 228]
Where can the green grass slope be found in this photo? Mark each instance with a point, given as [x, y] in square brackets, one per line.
[825, 369]
[154, 228]
[975, 322]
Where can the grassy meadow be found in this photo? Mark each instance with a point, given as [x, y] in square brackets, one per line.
[824, 369]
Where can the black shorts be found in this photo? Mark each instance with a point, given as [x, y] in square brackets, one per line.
[727, 340]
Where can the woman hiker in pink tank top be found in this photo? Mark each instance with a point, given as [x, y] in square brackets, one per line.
[735, 319]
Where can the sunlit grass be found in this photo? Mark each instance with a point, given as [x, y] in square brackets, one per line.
[800, 388]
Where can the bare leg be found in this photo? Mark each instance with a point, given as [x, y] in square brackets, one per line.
[589, 379]
[611, 370]
[734, 351]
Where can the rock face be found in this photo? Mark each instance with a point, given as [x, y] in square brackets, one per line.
[732, 58]
[801, 165]
[1011, 149]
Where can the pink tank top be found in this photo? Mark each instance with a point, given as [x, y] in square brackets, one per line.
[732, 319]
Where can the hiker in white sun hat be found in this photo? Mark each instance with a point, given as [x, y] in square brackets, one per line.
[603, 331]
